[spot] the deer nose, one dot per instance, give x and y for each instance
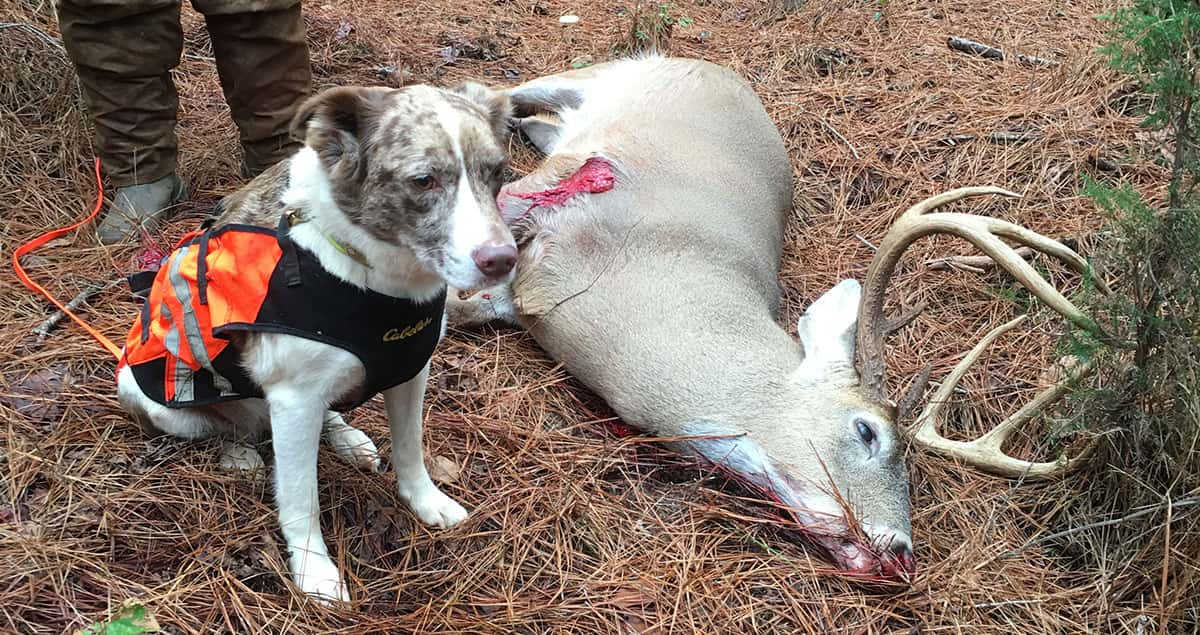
(902, 553)
(495, 259)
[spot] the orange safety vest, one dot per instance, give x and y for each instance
(244, 278)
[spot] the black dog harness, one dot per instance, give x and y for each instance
(249, 279)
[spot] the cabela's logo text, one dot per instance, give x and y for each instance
(395, 335)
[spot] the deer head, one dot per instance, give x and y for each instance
(862, 516)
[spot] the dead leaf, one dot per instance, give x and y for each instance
(637, 626)
(34, 261)
(634, 605)
(443, 470)
(1058, 371)
(36, 394)
(628, 599)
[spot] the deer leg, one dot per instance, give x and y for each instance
(489, 305)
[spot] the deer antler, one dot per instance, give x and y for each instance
(985, 233)
(985, 452)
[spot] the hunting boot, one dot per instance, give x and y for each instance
(262, 60)
(135, 209)
(123, 51)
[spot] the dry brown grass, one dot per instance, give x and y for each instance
(574, 528)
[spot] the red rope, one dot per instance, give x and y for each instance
(51, 235)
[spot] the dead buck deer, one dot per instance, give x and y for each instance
(650, 243)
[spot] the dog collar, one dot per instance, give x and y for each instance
(294, 217)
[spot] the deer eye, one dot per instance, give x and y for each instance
(867, 434)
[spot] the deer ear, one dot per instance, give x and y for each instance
(827, 328)
(543, 130)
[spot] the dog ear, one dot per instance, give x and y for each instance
(335, 123)
(495, 105)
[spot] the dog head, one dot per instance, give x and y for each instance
(419, 168)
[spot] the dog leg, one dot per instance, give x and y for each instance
(247, 422)
(185, 423)
(404, 404)
(296, 417)
(350, 443)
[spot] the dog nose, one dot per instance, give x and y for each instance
(495, 260)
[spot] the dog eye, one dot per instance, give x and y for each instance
(424, 182)
(866, 434)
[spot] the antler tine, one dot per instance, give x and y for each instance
(908, 228)
(986, 452)
(982, 231)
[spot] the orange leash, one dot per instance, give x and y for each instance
(51, 235)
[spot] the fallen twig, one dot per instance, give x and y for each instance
(994, 137)
(1012, 137)
(866, 242)
(33, 30)
(992, 605)
(993, 53)
(956, 139)
(43, 330)
(831, 129)
(974, 264)
(1146, 511)
(834, 131)
(1104, 164)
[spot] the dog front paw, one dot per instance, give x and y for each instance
(435, 508)
(319, 578)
